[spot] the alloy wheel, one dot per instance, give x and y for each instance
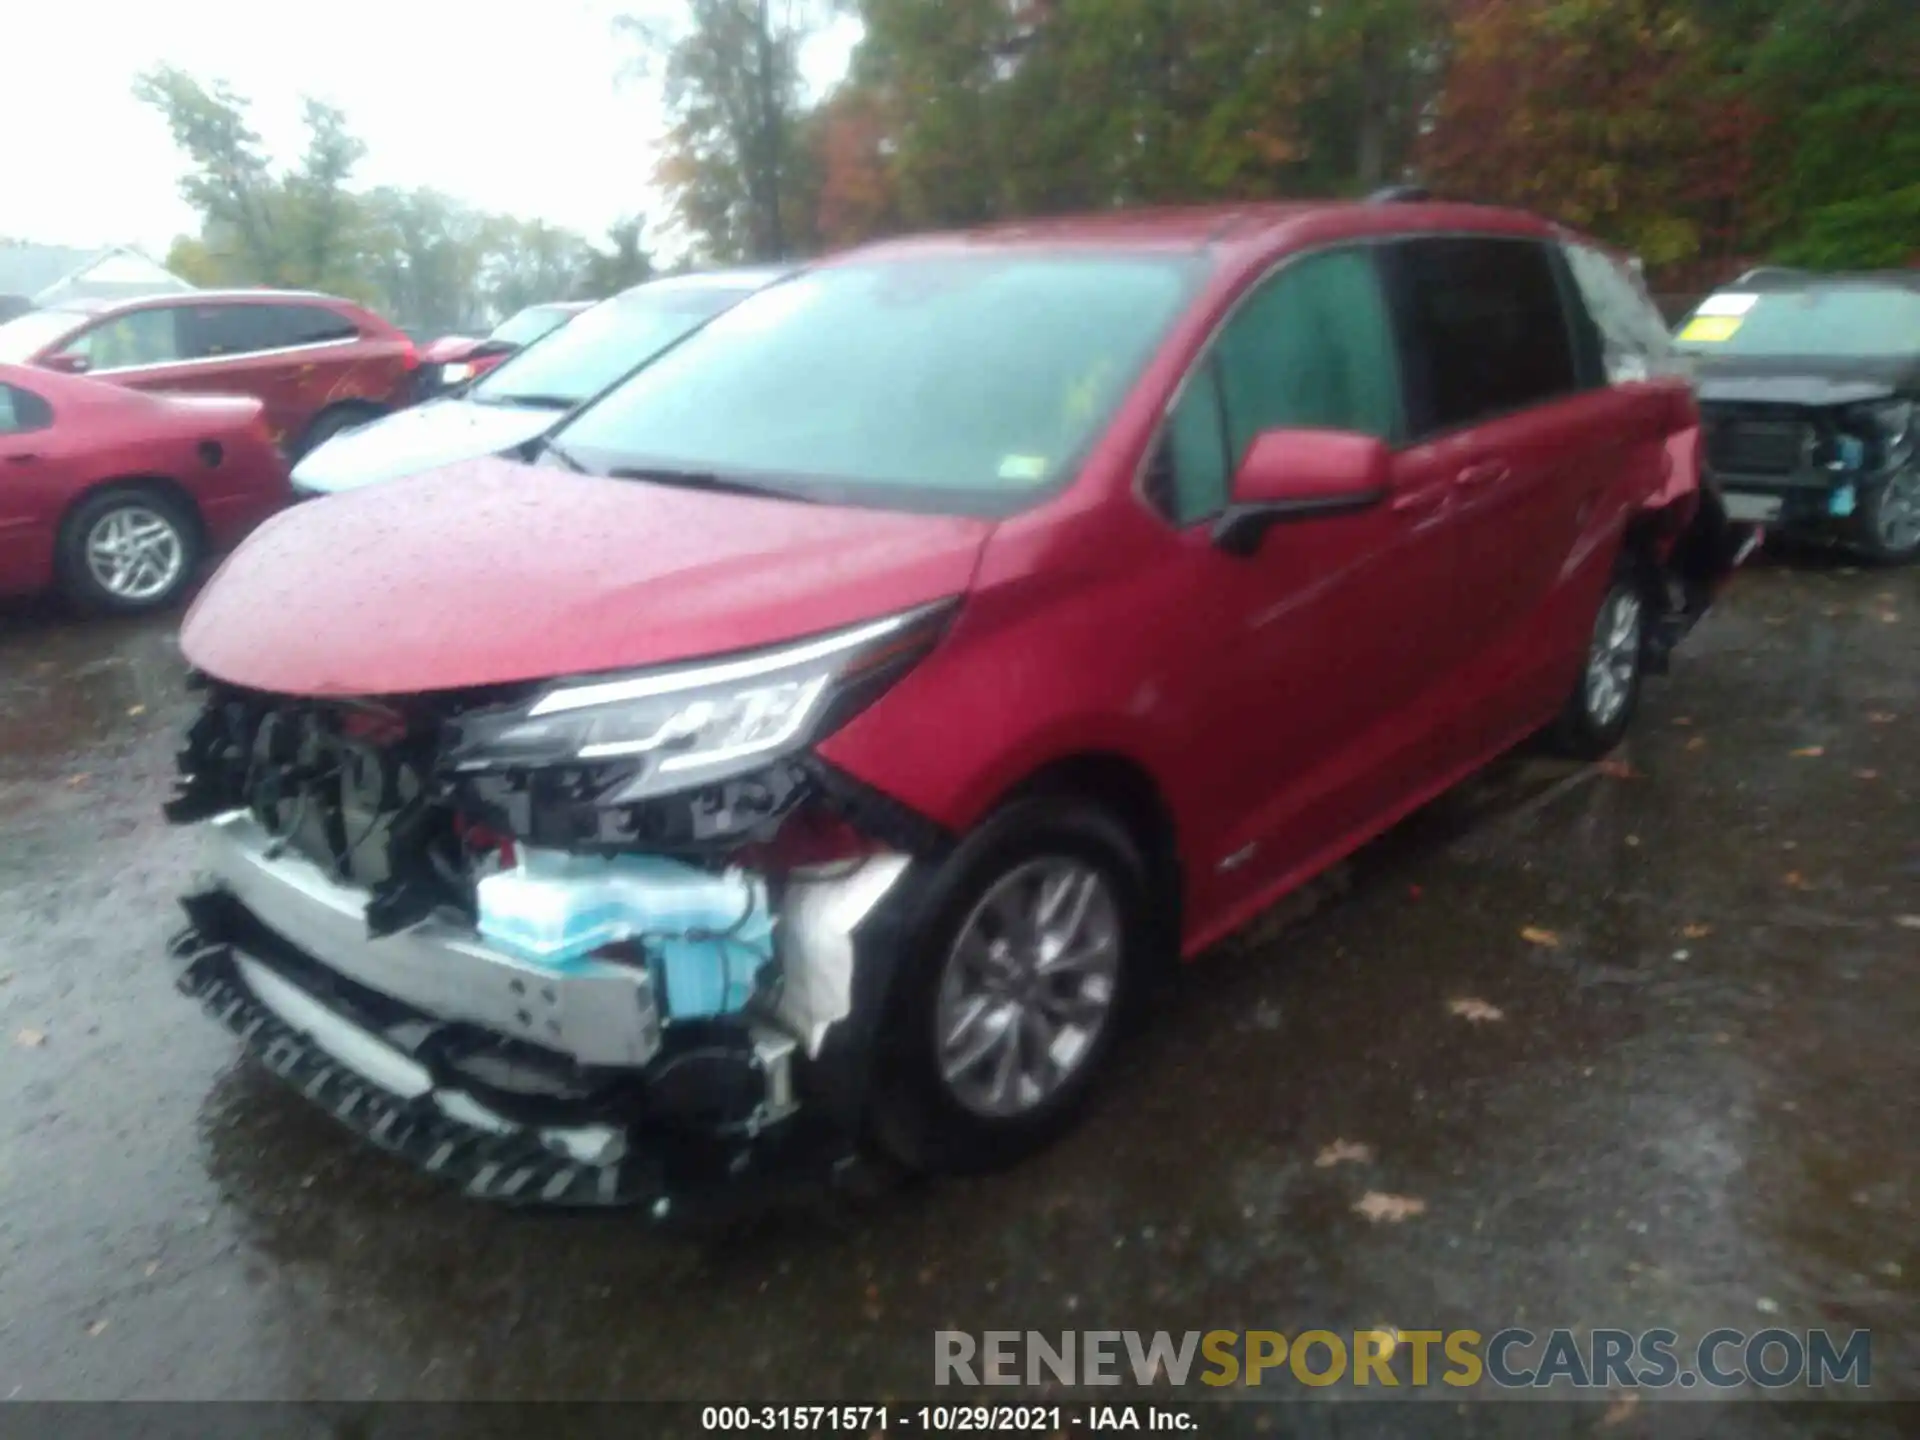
(1028, 985)
(135, 553)
(1898, 520)
(1613, 659)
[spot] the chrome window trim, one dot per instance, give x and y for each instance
(212, 359)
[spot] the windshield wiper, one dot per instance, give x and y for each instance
(530, 402)
(548, 446)
(702, 480)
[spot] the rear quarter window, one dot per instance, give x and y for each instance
(1482, 329)
(22, 410)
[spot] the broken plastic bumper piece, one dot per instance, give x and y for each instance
(505, 1058)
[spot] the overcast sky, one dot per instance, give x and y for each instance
(512, 107)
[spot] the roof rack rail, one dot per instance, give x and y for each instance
(1399, 195)
(1761, 271)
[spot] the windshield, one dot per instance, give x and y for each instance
(529, 325)
(955, 383)
(25, 336)
(598, 346)
(1826, 321)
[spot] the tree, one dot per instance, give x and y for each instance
(622, 263)
(1612, 115)
(734, 162)
(258, 227)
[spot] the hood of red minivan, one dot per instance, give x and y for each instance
(491, 572)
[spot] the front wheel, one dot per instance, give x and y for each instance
(1601, 707)
(1013, 989)
(1888, 526)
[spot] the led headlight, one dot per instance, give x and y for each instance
(457, 373)
(677, 727)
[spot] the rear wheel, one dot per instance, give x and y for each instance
(128, 550)
(1888, 525)
(1014, 989)
(1601, 707)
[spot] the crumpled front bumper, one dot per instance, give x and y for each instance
(392, 1101)
(382, 1034)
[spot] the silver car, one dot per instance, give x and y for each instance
(532, 392)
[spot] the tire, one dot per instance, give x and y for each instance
(929, 1113)
(128, 550)
(1607, 691)
(1887, 528)
(330, 423)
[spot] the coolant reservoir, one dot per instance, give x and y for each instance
(706, 935)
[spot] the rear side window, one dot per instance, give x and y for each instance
(220, 330)
(1309, 348)
(22, 410)
(1481, 328)
(1634, 343)
(138, 337)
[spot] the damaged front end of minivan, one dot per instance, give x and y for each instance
(611, 941)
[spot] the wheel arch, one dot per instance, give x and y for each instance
(353, 405)
(1126, 789)
(182, 497)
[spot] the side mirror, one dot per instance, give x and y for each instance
(1292, 475)
(68, 364)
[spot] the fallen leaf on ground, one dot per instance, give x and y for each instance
(1809, 752)
(1907, 922)
(136, 710)
(1887, 617)
(30, 1039)
(1378, 1206)
(1881, 717)
(153, 1268)
(1342, 1151)
(1866, 774)
(1618, 769)
(1794, 880)
(1620, 1410)
(1534, 935)
(1698, 742)
(79, 779)
(1413, 892)
(1696, 932)
(97, 1328)
(1683, 719)
(1469, 1008)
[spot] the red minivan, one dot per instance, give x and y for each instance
(318, 364)
(830, 734)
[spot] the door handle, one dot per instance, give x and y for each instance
(1421, 500)
(1478, 477)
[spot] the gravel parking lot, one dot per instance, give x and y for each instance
(1633, 1047)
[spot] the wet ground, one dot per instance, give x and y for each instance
(1642, 1046)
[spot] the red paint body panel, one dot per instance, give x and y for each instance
(101, 435)
(491, 572)
(1286, 706)
(295, 384)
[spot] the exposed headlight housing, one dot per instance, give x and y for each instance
(1888, 423)
(678, 727)
(458, 373)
